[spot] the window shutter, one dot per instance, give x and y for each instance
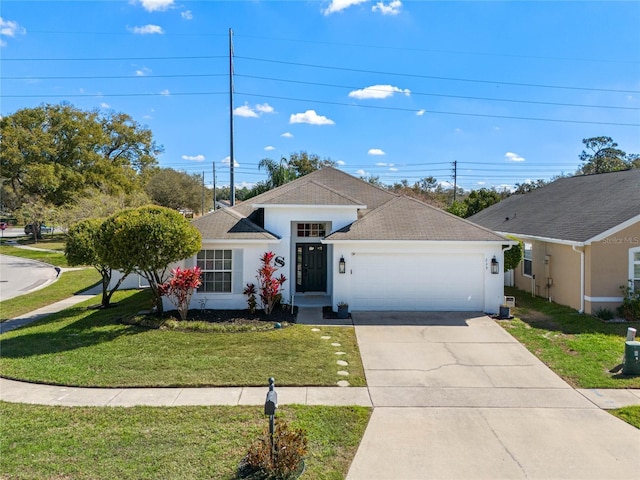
(238, 284)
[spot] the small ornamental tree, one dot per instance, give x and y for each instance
(180, 288)
(269, 286)
(513, 256)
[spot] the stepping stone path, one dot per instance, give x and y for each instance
(340, 363)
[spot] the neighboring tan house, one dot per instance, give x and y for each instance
(338, 239)
(581, 235)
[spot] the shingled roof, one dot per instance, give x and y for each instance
(405, 218)
(574, 209)
(225, 224)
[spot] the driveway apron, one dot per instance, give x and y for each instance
(456, 397)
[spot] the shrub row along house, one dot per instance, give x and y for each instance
(340, 239)
(581, 235)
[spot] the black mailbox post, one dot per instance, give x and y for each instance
(270, 407)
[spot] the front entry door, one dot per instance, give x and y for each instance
(311, 267)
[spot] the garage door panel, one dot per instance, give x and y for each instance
(418, 282)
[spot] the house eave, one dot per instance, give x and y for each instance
(612, 230)
(424, 242)
(302, 205)
(544, 239)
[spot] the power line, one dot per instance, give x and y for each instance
(442, 95)
(433, 77)
(101, 77)
(430, 50)
(91, 59)
(440, 112)
(89, 95)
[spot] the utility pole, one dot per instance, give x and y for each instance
(214, 187)
(455, 180)
(232, 188)
(202, 211)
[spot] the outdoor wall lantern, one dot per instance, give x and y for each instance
(495, 266)
(342, 266)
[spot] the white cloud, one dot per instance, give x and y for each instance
(187, 15)
(269, 148)
(310, 117)
(248, 112)
(421, 112)
(381, 164)
(391, 8)
(141, 72)
(156, 5)
(245, 111)
(393, 169)
(339, 5)
(362, 173)
(341, 162)
(148, 30)
(481, 183)
(194, 158)
(376, 151)
(227, 161)
(165, 92)
(458, 130)
(264, 108)
(287, 135)
(378, 91)
(10, 28)
(105, 105)
(513, 157)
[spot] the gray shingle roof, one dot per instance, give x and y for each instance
(573, 208)
(358, 190)
(405, 218)
(311, 193)
(225, 224)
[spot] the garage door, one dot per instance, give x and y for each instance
(427, 282)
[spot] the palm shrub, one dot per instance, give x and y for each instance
(283, 461)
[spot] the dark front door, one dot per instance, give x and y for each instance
(311, 267)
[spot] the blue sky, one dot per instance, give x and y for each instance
(395, 89)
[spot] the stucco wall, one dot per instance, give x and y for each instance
(607, 263)
(556, 262)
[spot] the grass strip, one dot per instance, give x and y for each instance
(92, 348)
(69, 284)
(630, 415)
(151, 442)
(55, 259)
(584, 350)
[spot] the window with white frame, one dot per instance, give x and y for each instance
(527, 262)
(216, 266)
(634, 268)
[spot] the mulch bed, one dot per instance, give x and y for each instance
(241, 316)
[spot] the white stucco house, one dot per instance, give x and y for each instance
(341, 239)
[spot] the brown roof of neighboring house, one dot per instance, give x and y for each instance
(405, 218)
(572, 209)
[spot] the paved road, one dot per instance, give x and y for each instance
(20, 275)
(456, 397)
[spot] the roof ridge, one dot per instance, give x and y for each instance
(337, 192)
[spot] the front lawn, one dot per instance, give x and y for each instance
(585, 351)
(86, 347)
(52, 258)
(149, 442)
(630, 415)
(69, 284)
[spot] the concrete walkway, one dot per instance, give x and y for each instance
(457, 397)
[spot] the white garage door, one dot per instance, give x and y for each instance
(422, 282)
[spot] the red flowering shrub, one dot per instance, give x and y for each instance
(269, 285)
(180, 288)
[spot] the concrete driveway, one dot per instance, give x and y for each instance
(456, 397)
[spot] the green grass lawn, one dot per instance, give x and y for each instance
(630, 415)
(86, 347)
(56, 259)
(150, 443)
(582, 349)
(69, 284)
